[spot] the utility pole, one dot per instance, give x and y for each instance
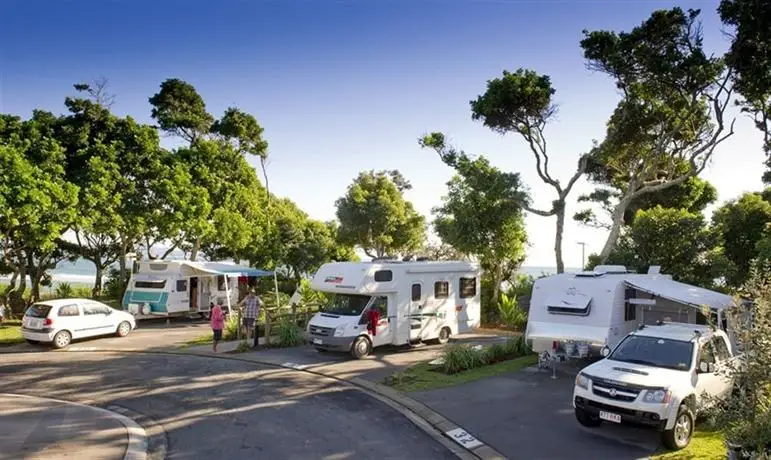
(583, 255)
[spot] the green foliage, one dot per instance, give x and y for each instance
(374, 215)
(511, 315)
(463, 357)
(289, 334)
(309, 297)
(64, 291)
(179, 109)
(232, 326)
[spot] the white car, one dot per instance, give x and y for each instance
(61, 321)
(657, 376)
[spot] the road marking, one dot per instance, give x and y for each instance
(80, 349)
(299, 367)
(462, 437)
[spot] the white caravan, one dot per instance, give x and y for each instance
(576, 314)
(162, 288)
(417, 301)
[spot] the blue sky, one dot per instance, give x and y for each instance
(344, 86)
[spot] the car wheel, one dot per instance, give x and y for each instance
(585, 419)
(321, 350)
(361, 347)
(680, 435)
(62, 339)
(123, 329)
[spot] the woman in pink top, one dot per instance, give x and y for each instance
(217, 323)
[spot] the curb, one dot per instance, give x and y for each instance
(461, 443)
(136, 449)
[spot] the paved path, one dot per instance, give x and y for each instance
(216, 408)
(38, 428)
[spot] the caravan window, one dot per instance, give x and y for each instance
(569, 303)
(158, 267)
(468, 287)
(146, 284)
(441, 290)
(181, 285)
(221, 282)
(383, 276)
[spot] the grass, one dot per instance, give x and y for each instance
(705, 445)
(10, 332)
(424, 376)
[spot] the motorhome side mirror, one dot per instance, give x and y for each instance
(605, 351)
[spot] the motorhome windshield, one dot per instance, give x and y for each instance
(346, 304)
(654, 351)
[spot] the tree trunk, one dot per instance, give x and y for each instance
(196, 248)
(122, 271)
(98, 281)
(16, 297)
(558, 236)
(497, 280)
(615, 227)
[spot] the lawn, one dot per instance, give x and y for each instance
(705, 445)
(424, 376)
(10, 332)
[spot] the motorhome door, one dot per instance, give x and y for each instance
(384, 331)
(417, 300)
(436, 310)
(193, 294)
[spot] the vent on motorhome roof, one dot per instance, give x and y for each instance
(611, 269)
(589, 274)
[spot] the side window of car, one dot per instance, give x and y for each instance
(721, 348)
(706, 354)
(90, 309)
(69, 310)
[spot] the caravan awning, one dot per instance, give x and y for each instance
(682, 293)
(220, 268)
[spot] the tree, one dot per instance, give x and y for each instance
(676, 239)
(482, 213)
(374, 215)
(670, 118)
(180, 110)
(741, 225)
(750, 59)
(522, 102)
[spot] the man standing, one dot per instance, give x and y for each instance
(250, 314)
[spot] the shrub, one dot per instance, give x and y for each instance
(289, 334)
(462, 357)
(511, 315)
(231, 328)
(64, 291)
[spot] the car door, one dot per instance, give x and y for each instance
(68, 317)
(708, 383)
(96, 319)
(724, 367)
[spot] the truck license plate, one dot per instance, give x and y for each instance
(317, 341)
(615, 418)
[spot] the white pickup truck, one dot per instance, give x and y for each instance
(656, 376)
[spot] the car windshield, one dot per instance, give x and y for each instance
(654, 351)
(38, 310)
(346, 304)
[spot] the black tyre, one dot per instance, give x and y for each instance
(680, 435)
(444, 336)
(361, 347)
(321, 350)
(32, 342)
(62, 339)
(123, 329)
(585, 419)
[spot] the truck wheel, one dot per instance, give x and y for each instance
(587, 420)
(680, 434)
(361, 347)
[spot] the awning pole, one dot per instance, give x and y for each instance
(227, 292)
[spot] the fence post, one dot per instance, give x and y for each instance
(267, 327)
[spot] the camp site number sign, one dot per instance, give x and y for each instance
(460, 436)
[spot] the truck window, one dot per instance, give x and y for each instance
(468, 287)
(706, 353)
(654, 351)
(384, 276)
(721, 348)
(441, 290)
(147, 284)
(417, 293)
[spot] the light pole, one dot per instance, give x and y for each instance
(583, 255)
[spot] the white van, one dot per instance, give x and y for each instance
(576, 314)
(417, 301)
(181, 288)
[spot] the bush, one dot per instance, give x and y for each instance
(511, 315)
(64, 291)
(111, 288)
(231, 327)
(462, 357)
(289, 334)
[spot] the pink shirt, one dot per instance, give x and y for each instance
(217, 318)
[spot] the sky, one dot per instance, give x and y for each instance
(346, 86)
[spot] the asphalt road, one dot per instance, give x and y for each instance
(212, 408)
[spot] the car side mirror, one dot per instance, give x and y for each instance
(605, 351)
(706, 368)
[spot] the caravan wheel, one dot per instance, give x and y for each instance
(361, 347)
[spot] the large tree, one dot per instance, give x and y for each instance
(374, 215)
(670, 117)
(750, 59)
(522, 102)
(481, 215)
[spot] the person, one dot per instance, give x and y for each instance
(2, 312)
(374, 318)
(251, 310)
(217, 323)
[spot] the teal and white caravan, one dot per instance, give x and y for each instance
(163, 288)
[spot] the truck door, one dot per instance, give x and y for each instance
(383, 334)
(709, 382)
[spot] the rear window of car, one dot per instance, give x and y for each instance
(38, 310)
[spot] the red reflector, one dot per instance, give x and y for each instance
(48, 322)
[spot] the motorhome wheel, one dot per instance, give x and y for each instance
(444, 335)
(361, 347)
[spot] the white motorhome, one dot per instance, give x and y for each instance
(162, 288)
(417, 301)
(576, 314)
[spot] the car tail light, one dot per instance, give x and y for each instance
(48, 322)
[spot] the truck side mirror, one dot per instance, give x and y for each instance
(706, 368)
(605, 351)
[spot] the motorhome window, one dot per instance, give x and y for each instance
(346, 304)
(441, 290)
(221, 282)
(145, 284)
(654, 351)
(181, 285)
(381, 304)
(158, 267)
(630, 311)
(384, 276)
(417, 293)
(468, 287)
